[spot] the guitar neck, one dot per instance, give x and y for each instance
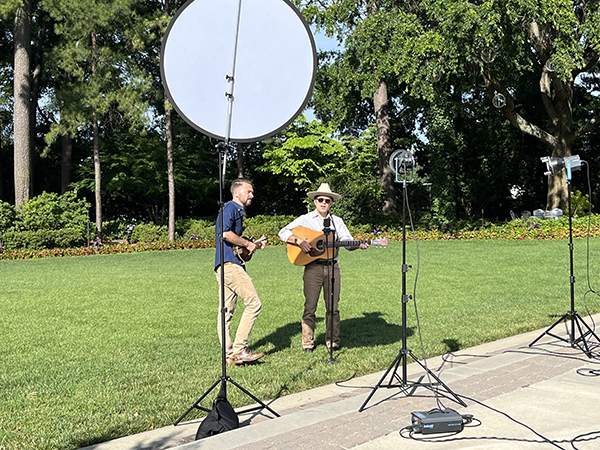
(347, 243)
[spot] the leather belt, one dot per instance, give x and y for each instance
(227, 263)
(322, 262)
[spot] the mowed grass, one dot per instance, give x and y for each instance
(93, 348)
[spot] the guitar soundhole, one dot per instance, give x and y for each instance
(320, 246)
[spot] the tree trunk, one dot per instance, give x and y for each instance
(384, 145)
(36, 80)
(1, 180)
(67, 147)
(557, 183)
(65, 163)
(557, 98)
(557, 192)
(22, 101)
(97, 177)
(170, 171)
(96, 129)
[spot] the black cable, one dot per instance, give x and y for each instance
(579, 438)
(445, 437)
(588, 372)
(544, 439)
(445, 357)
(590, 289)
(412, 227)
(552, 353)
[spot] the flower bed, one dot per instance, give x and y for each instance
(515, 230)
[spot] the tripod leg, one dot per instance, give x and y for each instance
(426, 369)
(265, 406)
(582, 335)
(395, 372)
(395, 364)
(547, 332)
(195, 405)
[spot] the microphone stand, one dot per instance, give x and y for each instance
(331, 279)
(404, 353)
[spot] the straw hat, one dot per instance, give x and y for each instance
(324, 189)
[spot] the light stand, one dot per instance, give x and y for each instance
(571, 163)
(224, 378)
(223, 148)
(331, 279)
(402, 162)
(274, 78)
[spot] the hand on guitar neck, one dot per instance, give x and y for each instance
(245, 253)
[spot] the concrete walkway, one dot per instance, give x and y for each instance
(520, 397)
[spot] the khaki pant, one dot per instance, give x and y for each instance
(317, 277)
(237, 284)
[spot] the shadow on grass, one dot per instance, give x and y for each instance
(370, 330)
(281, 338)
(367, 331)
(453, 345)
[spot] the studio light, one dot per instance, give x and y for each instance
(402, 163)
(555, 164)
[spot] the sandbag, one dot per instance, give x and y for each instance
(222, 417)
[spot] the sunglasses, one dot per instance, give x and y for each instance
(326, 200)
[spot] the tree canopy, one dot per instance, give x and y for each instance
(477, 90)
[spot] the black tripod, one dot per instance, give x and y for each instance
(331, 272)
(576, 320)
(404, 353)
(224, 378)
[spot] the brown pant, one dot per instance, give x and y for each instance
(237, 284)
(317, 277)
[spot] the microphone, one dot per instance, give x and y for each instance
(326, 225)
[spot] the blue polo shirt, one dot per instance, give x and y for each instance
(233, 220)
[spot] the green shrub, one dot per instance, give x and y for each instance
(42, 239)
(270, 225)
(49, 211)
(580, 204)
(148, 232)
(196, 229)
(46, 221)
(7, 216)
(117, 229)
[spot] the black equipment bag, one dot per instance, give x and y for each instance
(221, 418)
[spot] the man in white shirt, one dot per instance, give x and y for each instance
(317, 274)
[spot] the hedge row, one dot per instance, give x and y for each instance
(200, 234)
(46, 221)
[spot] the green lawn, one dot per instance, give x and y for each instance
(97, 347)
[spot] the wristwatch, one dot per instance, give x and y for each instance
(296, 240)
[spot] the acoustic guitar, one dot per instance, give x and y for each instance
(316, 239)
(242, 252)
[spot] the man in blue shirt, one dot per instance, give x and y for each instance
(237, 281)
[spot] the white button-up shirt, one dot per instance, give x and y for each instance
(314, 221)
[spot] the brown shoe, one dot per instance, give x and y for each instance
(246, 356)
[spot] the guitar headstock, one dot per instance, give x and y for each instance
(261, 242)
(381, 242)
